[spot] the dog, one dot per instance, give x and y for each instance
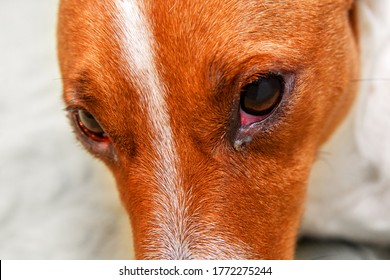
(210, 114)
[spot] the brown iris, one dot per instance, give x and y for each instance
(262, 96)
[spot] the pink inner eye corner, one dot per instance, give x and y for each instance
(247, 119)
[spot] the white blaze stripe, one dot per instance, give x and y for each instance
(174, 233)
(137, 50)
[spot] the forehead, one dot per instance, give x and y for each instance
(193, 28)
(187, 40)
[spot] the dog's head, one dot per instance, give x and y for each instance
(209, 113)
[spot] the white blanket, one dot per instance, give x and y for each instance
(349, 194)
(56, 202)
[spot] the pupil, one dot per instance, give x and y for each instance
(261, 97)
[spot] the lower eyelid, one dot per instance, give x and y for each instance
(247, 119)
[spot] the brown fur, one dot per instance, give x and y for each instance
(253, 197)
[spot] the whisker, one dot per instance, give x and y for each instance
(371, 80)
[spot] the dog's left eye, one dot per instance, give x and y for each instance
(259, 98)
(90, 126)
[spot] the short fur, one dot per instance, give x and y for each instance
(232, 203)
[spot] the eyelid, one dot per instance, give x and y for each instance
(77, 103)
(247, 119)
(72, 108)
(80, 98)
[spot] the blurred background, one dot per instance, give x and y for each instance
(57, 202)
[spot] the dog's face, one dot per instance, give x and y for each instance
(209, 113)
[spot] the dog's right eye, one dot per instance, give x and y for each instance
(90, 126)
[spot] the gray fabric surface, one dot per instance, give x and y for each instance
(319, 249)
